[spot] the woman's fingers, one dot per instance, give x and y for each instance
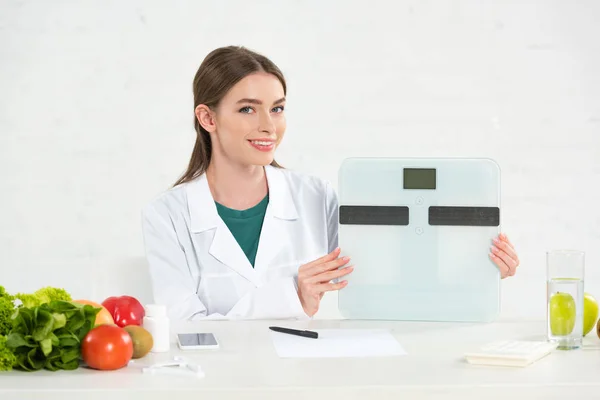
(313, 267)
(326, 258)
(505, 238)
(331, 265)
(327, 266)
(327, 276)
(504, 269)
(328, 287)
(506, 264)
(506, 252)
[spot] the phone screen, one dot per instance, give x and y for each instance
(197, 339)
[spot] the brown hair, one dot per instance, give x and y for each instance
(220, 71)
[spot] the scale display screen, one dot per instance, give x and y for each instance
(420, 178)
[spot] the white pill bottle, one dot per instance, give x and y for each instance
(157, 323)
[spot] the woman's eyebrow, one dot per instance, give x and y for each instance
(259, 102)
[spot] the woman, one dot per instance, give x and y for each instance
(238, 236)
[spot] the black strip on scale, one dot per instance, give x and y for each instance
(464, 216)
(374, 215)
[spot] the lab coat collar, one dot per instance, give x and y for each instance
(203, 211)
(281, 212)
(201, 205)
(280, 195)
(281, 209)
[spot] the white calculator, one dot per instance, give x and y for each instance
(512, 353)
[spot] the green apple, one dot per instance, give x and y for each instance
(590, 313)
(562, 314)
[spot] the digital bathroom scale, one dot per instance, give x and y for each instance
(418, 232)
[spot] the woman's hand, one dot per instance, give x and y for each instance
(314, 277)
(504, 256)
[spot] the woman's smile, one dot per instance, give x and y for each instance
(262, 144)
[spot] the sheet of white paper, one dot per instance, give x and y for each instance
(338, 343)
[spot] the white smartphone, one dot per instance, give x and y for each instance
(197, 341)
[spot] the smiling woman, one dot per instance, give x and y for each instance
(229, 88)
(238, 236)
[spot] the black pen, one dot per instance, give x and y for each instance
(308, 334)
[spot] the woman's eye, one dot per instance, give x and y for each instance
(248, 109)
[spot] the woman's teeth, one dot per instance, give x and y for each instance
(261, 143)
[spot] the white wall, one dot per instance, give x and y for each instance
(96, 117)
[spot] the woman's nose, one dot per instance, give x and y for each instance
(266, 123)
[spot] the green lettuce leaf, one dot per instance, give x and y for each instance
(49, 335)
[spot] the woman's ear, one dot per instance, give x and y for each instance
(205, 117)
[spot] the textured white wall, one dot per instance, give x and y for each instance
(96, 117)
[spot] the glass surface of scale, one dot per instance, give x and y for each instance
(419, 232)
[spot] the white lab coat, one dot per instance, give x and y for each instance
(199, 271)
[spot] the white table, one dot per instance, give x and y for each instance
(248, 367)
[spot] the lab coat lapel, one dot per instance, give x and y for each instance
(205, 217)
(281, 211)
(226, 249)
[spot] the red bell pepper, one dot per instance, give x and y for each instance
(125, 310)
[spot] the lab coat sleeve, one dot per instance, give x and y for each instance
(332, 212)
(172, 283)
(174, 286)
(277, 299)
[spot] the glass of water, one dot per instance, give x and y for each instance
(564, 297)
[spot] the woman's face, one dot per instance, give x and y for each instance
(249, 122)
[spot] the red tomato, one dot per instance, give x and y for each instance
(125, 310)
(107, 347)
